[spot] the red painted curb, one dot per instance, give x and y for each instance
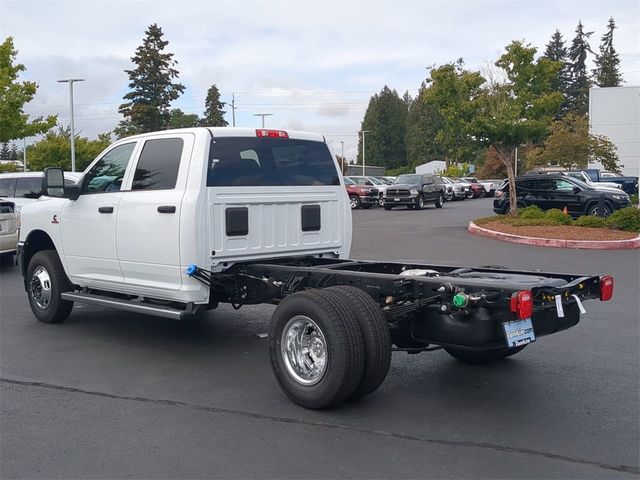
(556, 243)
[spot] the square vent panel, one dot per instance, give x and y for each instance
(237, 221)
(310, 218)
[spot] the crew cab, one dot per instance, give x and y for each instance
(173, 223)
(414, 191)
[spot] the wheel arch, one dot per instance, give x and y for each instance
(593, 203)
(36, 241)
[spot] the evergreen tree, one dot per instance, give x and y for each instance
(386, 120)
(5, 153)
(152, 87)
(14, 153)
(423, 124)
(557, 51)
(213, 113)
(607, 72)
(578, 92)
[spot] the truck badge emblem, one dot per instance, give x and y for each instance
(55, 219)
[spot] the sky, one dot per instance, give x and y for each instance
(312, 64)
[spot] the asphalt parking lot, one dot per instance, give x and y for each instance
(113, 395)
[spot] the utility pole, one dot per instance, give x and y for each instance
(73, 132)
(342, 156)
(233, 107)
(363, 132)
(262, 115)
(24, 153)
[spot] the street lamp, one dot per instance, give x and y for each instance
(363, 157)
(342, 156)
(262, 115)
(73, 132)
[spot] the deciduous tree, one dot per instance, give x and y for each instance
(570, 145)
(152, 86)
(520, 110)
(53, 150)
(14, 123)
(179, 119)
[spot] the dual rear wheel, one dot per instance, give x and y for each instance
(327, 346)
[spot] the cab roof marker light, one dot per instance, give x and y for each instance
(606, 288)
(266, 133)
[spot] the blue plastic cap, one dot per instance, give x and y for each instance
(191, 269)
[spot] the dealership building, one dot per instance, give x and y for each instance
(615, 113)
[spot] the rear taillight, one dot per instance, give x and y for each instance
(522, 304)
(262, 133)
(606, 288)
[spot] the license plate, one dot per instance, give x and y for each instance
(518, 332)
(396, 199)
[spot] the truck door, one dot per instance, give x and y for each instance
(88, 224)
(148, 223)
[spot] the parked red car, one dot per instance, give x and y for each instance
(360, 196)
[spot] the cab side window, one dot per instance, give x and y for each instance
(108, 173)
(158, 165)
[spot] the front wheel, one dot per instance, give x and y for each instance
(388, 207)
(595, 210)
(46, 281)
(484, 356)
(354, 201)
(420, 202)
(440, 201)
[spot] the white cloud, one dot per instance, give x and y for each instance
(289, 57)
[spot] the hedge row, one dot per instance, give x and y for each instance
(626, 219)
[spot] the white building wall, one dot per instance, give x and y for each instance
(615, 113)
(431, 167)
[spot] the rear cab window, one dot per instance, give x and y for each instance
(158, 165)
(246, 161)
(29, 187)
(7, 187)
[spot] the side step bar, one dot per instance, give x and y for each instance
(129, 306)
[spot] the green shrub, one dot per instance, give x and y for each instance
(483, 220)
(634, 199)
(530, 213)
(556, 215)
(591, 221)
(627, 219)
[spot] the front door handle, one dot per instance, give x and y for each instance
(167, 209)
(105, 209)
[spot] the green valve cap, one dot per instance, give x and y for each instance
(460, 300)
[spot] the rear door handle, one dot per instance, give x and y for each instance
(105, 209)
(167, 209)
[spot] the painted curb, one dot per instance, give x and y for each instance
(556, 243)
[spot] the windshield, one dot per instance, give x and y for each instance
(580, 183)
(376, 181)
(408, 179)
(253, 161)
(348, 181)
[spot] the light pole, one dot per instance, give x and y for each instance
(73, 132)
(342, 156)
(363, 157)
(262, 115)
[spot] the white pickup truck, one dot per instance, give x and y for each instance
(172, 223)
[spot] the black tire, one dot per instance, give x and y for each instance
(344, 346)
(388, 207)
(440, 201)
(411, 207)
(367, 206)
(355, 202)
(7, 260)
(482, 357)
(375, 334)
(595, 210)
(53, 310)
(419, 202)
